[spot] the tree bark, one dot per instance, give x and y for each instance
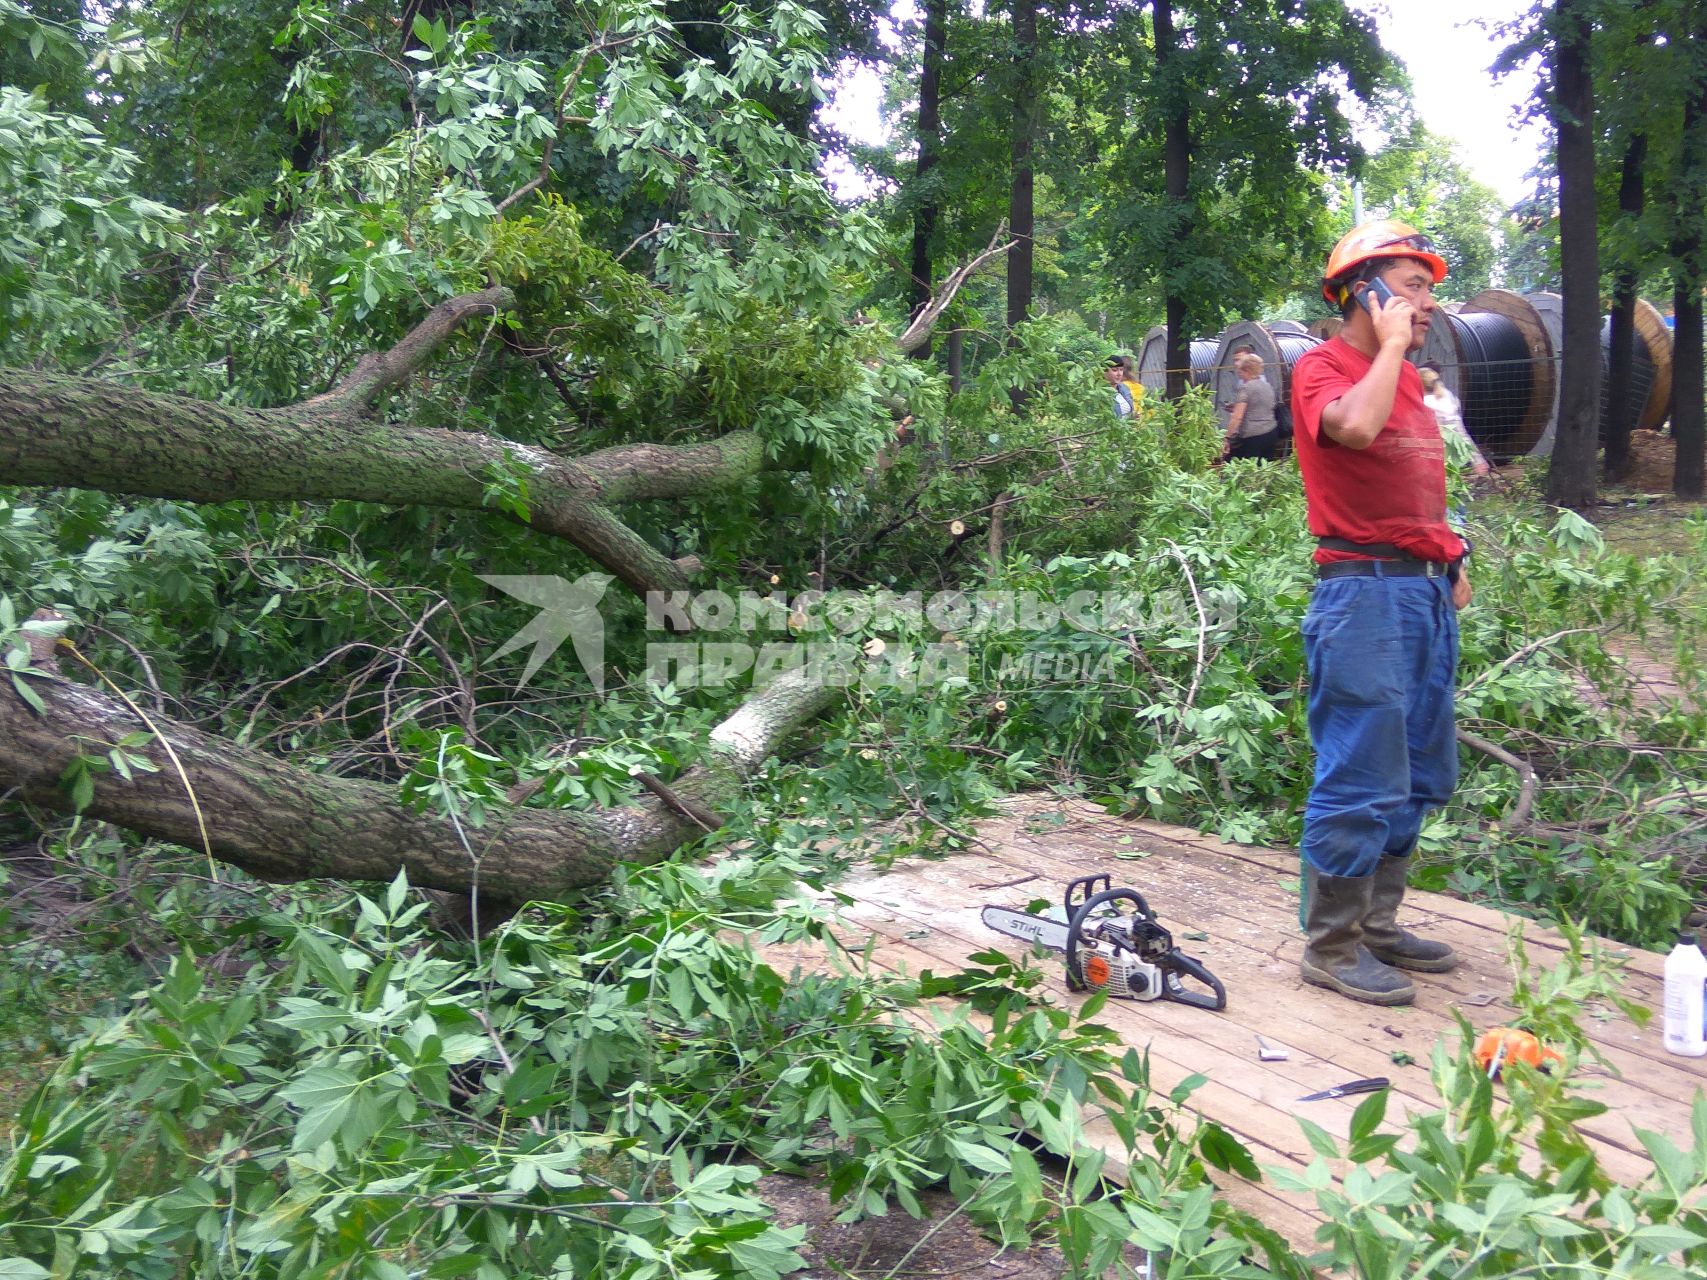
(1176, 188)
(93, 434)
(1622, 409)
(1688, 414)
(1021, 211)
(281, 822)
(1571, 474)
(926, 210)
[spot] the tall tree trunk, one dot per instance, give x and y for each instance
(926, 208)
(1622, 408)
(1021, 213)
(1687, 425)
(1571, 475)
(1176, 188)
(281, 822)
(1688, 415)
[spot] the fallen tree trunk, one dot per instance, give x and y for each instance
(88, 433)
(91, 434)
(281, 822)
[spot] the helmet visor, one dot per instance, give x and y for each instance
(1421, 243)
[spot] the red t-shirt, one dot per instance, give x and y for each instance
(1395, 490)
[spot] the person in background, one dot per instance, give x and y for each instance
(1129, 376)
(1439, 398)
(1381, 632)
(1114, 373)
(1128, 391)
(1252, 431)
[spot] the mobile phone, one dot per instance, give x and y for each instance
(1376, 294)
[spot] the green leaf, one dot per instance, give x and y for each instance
(21, 683)
(1662, 1238)
(1185, 1088)
(1369, 1114)
(1027, 1177)
(979, 1156)
(1675, 1168)
(1226, 1153)
(1320, 1140)
(325, 1096)
(22, 1269)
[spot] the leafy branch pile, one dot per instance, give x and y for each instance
(342, 1095)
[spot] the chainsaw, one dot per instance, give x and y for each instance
(1121, 949)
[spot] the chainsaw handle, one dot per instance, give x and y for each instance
(1178, 964)
(1075, 922)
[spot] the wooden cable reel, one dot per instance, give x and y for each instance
(1153, 361)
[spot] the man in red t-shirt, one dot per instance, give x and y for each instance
(1381, 633)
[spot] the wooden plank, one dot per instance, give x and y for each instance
(1653, 1080)
(1223, 1045)
(1285, 863)
(1198, 897)
(925, 914)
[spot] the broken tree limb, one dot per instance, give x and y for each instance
(281, 822)
(918, 332)
(92, 434)
(1519, 816)
(380, 372)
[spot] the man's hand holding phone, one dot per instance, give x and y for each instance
(1391, 314)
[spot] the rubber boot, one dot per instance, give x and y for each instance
(1303, 893)
(1381, 933)
(1334, 955)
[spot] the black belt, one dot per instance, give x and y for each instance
(1390, 561)
(1383, 569)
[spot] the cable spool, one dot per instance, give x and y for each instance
(1287, 326)
(1551, 308)
(1326, 327)
(1527, 388)
(1153, 360)
(1651, 328)
(1279, 352)
(1650, 371)
(1488, 355)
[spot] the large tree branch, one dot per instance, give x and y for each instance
(282, 822)
(919, 331)
(381, 372)
(92, 434)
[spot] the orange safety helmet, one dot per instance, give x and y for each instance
(1385, 238)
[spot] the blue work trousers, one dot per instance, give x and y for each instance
(1382, 653)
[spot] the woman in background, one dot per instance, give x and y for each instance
(1252, 430)
(1445, 405)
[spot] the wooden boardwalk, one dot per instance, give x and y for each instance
(924, 914)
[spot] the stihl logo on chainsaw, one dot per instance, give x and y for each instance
(1113, 942)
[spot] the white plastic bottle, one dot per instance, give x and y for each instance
(1685, 982)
